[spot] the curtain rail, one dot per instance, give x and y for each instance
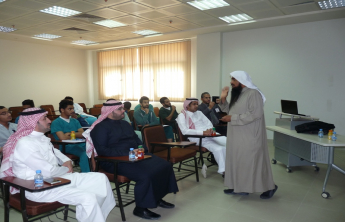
(144, 44)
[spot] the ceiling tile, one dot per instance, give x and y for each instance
(211, 22)
(285, 3)
(27, 32)
(256, 6)
(130, 19)
(15, 25)
(6, 9)
(300, 8)
(107, 13)
(28, 4)
(187, 26)
(265, 14)
(81, 6)
(93, 27)
(238, 2)
(108, 2)
(199, 16)
(224, 11)
(41, 17)
(131, 7)
(68, 22)
(26, 21)
(158, 3)
(152, 15)
(180, 9)
(165, 29)
(174, 21)
(4, 17)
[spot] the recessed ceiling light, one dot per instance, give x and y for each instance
(332, 4)
(6, 29)
(60, 11)
(2, 1)
(236, 18)
(109, 23)
(208, 4)
(84, 42)
(45, 36)
(147, 32)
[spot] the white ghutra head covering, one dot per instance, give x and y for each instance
(27, 123)
(245, 79)
(108, 107)
(189, 121)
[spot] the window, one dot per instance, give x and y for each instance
(153, 71)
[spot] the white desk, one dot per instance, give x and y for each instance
(309, 147)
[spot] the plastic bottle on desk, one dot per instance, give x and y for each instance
(320, 134)
(214, 131)
(330, 133)
(72, 135)
(38, 179)
(334, 136)
(131, 154)
(140, 152)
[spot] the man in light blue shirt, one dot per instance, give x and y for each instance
(6, 127)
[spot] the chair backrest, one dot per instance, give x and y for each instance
(153, 134)
(98, 106)
(156, 111)
(95, 111)
(131, 115)
(15, 111)
(49, 108)
(84, 107)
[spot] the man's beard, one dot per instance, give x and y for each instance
(235, 94)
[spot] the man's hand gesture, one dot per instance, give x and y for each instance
(69, 165)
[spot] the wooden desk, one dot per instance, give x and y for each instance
(24, 185)
(309, 148)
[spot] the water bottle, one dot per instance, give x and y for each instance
(131, 154)
(334, 136)
(320, 133)
(38, 179)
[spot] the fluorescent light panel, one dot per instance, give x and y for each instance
(110, 23)
(2, 1)
(146, 32)
(60, 11)
(208, 4)
(45, 36)
(332, 4)
(236, 18)
(6, 29)
(84, 42)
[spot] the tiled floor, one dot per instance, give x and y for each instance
(298, 199)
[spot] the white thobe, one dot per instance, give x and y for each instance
(90, 192)
(217, 145)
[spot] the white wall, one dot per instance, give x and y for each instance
(303, 62)
(43, 73)
(208, 64)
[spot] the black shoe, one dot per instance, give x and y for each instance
(231, 191)
(269, 194)
(165, 204)
(145, 213)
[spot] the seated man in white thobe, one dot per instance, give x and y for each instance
(194, 122)
(29, 150)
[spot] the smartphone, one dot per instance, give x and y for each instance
(52, 180)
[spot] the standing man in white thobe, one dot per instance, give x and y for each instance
(248, 167)
(29, 150)
(191, 121)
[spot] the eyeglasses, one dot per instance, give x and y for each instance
(5, 113)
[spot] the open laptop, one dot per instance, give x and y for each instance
(289, 106)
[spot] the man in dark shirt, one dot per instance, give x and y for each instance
(154, 177)
(167, 113)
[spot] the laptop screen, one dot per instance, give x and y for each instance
(289, 106)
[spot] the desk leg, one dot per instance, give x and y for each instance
(6, 198)
(201, 157)
(23, 205)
